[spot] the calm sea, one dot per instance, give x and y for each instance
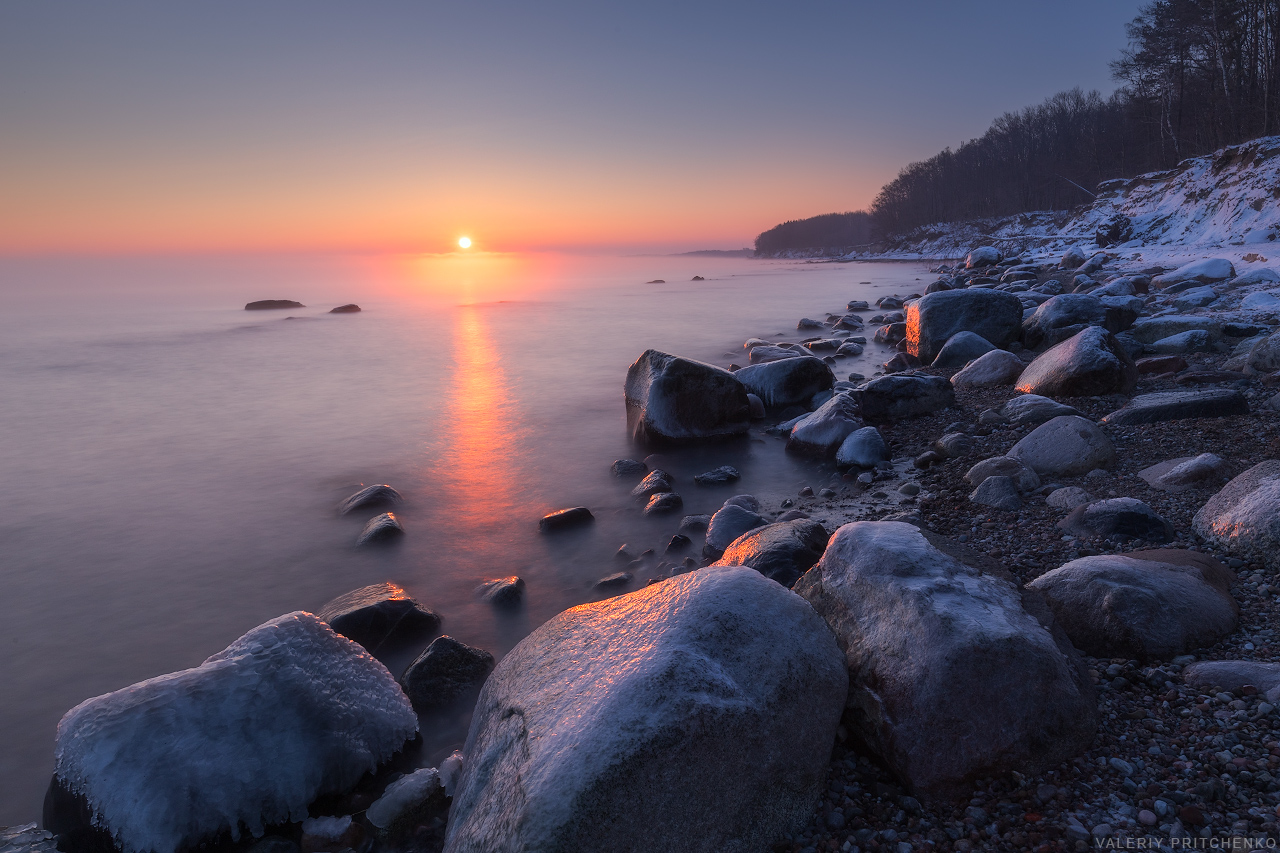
(170, 464)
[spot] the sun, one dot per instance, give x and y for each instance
(464, 242)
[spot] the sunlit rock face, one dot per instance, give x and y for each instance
(249, 738)
(932, 320)
(678, 400)
(1244, 518)
(951, 679)
(697, 714)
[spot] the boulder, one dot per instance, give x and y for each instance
(563, 519)
(272, 305)
(627, 468)
(1072, 258)
(788, 382)
(769, 353)
(757, 409)
(1089, 364)
(1211, 676)
(1023, 478)
(750, 502)
(1145, 605)
(1117, 517)
(997, 367)
(1244, 517)
(663, 503)
(892, 398)
(1062, 317)
(1177, 405)
(998, 492)
(349, 308)
(370, 497)
(729, 522)
(655, 482)
(851, 349)
(1264, 356)
(1262, 275)
(863, 448)
(1065, 447)
(1204, 271)
(672, 399)
(1068, 497)
(1186, 472)
(717, 476)
(822, 433)
(380, 615)
(962, 348)
(1161, 364)
(1034, 409)
(287, 713)
(444, 673)
(380, 529)
(1196, 340)
(1196, 297)
(951, 679)
(933, 319)
(503, 592)
(1261, 301)
(954, 445)
(983, 256)
(697, 714)
(781, 551)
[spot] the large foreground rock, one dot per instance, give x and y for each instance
(934, 318)
(1177, 405)
(1143, 605)
(1244, 518)
(697, 714)
(1064, 447)
(672, 399)
(1088, 364)
(249, 738)
(788, 382)
(781, 551)
(950, 678)
(892, 398)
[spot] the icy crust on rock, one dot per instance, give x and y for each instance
(247, 739)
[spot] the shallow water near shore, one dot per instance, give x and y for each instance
(170, 464)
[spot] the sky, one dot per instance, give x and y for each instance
(401, 125)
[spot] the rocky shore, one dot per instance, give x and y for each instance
(1031, 607)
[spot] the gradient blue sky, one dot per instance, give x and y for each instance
(386, 124)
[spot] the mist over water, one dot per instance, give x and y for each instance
(170, 464)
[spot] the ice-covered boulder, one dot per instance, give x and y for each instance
(1072, 258)
(1205, 271)
(997, 367)
(1244, 518)
(822, 432)
(951, 679)
(697, 714)
(892, 398)
(787, 382)
(962, 348)
(378, 615)
(1142, 605)
(1089, 364)
(1065, 447)
(781, 551)
(249, 738)
(673, 399)
(933, 319)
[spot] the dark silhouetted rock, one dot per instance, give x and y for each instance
(380, 529)
(655, 481)
(1127, 517)
(626, 468)
(369, 498)
(272, 304)
(781, 551)
(663, 503)
(566, 518)
(503, 592)
(1089, 364)
(380, 615)
(616, 580)
(349, 308)
(672, 399)
(717, 476)
(1065, 446)
(892, 398)
(444, 673)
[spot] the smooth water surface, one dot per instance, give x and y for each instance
(170, 464)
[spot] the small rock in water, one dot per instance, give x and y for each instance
(663, 502)
(717, 476)
(349, 308)
(272, 304)
(381, 528)
(565, 518)
(657, 481)
(444, 672)
(678, 543)
(629, 468)
(503, 592)
(379, 614)
(694, 523)
(371, 496)
(614, 580)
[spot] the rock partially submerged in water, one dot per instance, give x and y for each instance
(788, 381)
(717, 476)
(272, 304)
(380, 529)
(564, 519)
(349, 308)
(677, 400)
(503, 592)
(697, 714)
(782, 551)
(378, 615)
(951, 679)
(379, 495)
(250, 738)
(729, 522)
(821, 433)
(444, 673)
